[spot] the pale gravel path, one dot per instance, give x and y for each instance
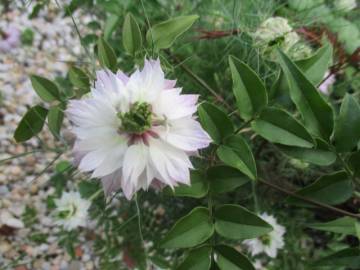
(55, 43)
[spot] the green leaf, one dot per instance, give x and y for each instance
(31, 124)
(321, 155)
(349, 257)
(224, 179)
(190, 230)
(198, 259)
(236, 222)
(163, 35)
(316, 65)
(347, 127)
(110, 24)
(344, 225)
(249, 90)
(79, 78)
(55, 120)
(197, 189)
(215, 122)
(314, 68)
(46, 89)
(106, 54)
(354, 162)
(316, 112)
(331, 189)
(278, 126)
(357, 229)
(131, 35)
(228, 258)
(237, 153)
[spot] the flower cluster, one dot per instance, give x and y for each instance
(71, 210)
(269, 243)
(136, 131)
(276, 31)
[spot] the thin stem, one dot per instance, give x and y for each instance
(243, 125)
(201, 82)
(19, 155)
(139, 226)
(317, 203)
(96, 193)
(256, 202)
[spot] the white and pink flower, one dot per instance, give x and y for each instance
(135, 131)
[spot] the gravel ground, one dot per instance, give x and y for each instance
(22, 182)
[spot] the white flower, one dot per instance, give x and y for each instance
(276, 31)
(345, 5)
(269, 243)
(71, 210)
(134, 130)
(325, 85)
(9, 38)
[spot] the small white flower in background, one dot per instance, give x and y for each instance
(136, 131)
(71, 210)
(276, 31)
(269, 243)
(325, 86)
(345, 5)
(9, 38)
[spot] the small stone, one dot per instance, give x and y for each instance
(21, 267)
(4, 247)
(78, 251)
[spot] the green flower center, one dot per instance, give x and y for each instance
(265, 239)
(137, 120)
(276, 41)
(65, 214)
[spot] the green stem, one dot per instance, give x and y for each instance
(256, 202)
(311, 201)
(139, 227)
(94, 196)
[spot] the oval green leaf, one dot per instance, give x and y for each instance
(79, 78)
(347, 127)
(46, 89)
(55, 120)
(106, 54)
(331, 189)
(198, 259)
(224, 179)
(190, 230)
(215, 122)
(31, 124)
(236, 222)
(198, 188)
(163, 35)
(132, 40)
(316, 112)
(349, 257)
(344, 225)
(278, 126)
(321, 155)
(249, 90)
(237, 153)
(228, 258)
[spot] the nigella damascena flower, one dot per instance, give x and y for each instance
(136, 131)
(269, 243)
(277, 32)
(71, 210)
(9, 38)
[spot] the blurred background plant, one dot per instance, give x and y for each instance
(59, 40)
